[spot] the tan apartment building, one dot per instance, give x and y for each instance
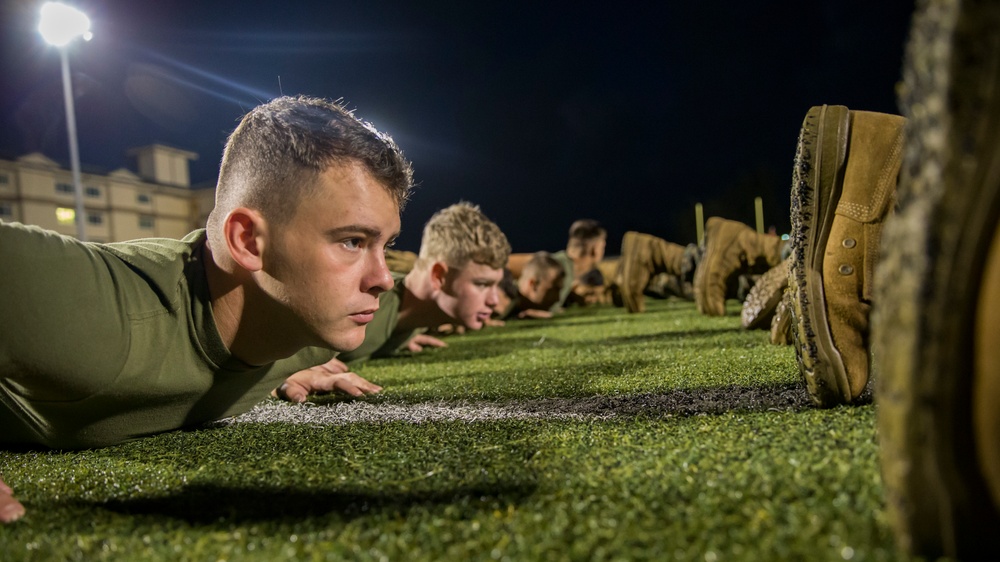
(158, 201)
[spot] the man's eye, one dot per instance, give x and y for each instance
(352, 243)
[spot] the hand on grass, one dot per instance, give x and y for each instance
(10, 509)
(420, 341)
(534, 313)
(332, 376)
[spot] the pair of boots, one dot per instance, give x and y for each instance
(918, 305)
(651, 263)
(733, 255)
(732, 251)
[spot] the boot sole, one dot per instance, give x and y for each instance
(781, 324)
(762, 301)
(817, 181)
(927, 286)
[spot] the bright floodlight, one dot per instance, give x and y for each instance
(60, 24)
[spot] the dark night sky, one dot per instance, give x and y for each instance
(541, 112)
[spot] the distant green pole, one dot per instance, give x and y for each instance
(758, 205)
(699, 222)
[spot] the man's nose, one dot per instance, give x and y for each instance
(378, 277)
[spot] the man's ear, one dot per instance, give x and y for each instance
(439, 272)
(533, 283)
(246, 234)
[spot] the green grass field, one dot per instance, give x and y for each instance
(594, 436)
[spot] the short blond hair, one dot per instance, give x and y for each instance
(461, 233)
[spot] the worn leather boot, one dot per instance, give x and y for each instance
(642, 257)
(843, 184)
(731, 249)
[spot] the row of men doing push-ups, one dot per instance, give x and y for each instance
(289, 281)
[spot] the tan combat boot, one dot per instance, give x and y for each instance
(843, 184)
(642, 257)
(731, 249)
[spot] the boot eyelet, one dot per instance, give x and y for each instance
(845, 269)
(849, 242)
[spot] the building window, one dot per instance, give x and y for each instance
(92, 191)
(63, 187)
(146, 222)
(143, 198)
(4, 179)
(95, 218)
(65, 215)
(6, 211)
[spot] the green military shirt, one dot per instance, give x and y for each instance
(102, 343)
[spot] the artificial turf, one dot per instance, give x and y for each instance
(604, 436)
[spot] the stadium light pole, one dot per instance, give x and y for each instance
(60, 25)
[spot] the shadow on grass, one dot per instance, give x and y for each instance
(205, 504)
(681, 402)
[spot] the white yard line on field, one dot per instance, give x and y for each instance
(341, 413)
(680, 402)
